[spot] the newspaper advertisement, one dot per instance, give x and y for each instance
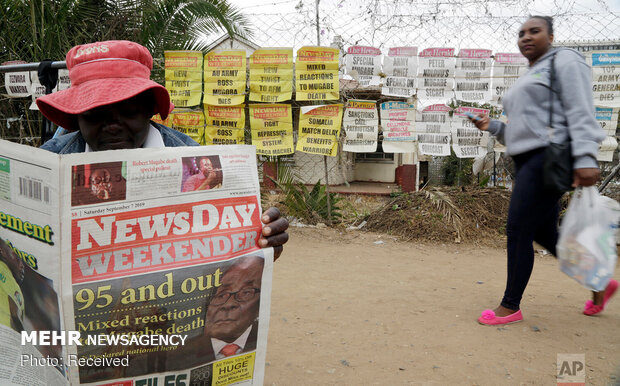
(361, 126)
(225, 78)
(473, 75)
(191, 123)
(507, 68)
(319, 129)
(316, 74)
(272, 128)
(183, 72)
(434, 130)
(436, 74)
(156, 278)
(401, 67)
(467, 140)
(605, 77)
(398, 125)
(225, 125)
(364, 64)
(271, 75)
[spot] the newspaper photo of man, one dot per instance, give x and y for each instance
(231, 320)
(201, 173)
(98, 183)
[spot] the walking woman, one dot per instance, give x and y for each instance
(533, 212)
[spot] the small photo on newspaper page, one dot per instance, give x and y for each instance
(201, 173)
(98, 183)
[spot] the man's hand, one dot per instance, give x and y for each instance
(274, 232)
(585, 177)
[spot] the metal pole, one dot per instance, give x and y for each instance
(329, 201)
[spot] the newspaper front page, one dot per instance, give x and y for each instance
(154, 264)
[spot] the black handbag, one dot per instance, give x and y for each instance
(558, 161)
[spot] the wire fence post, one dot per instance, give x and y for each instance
(329, 202)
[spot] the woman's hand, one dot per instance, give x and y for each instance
(585, 176)
(481, 121)
(274, 232)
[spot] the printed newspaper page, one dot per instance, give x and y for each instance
(141, 269)
(30, 276)
(164, 279)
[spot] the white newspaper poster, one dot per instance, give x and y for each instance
(361, 126)
(436, 74)
(400, 66)
(605, 78)
(435, 119)
(434, 130)
(467, 140)
(473, 75)
(17, 84)
(607, 117)
(365, 62)
(507, 68)
(398, 125)
(607, 149)
(63, 79)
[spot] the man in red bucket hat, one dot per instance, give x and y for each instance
(109, 106)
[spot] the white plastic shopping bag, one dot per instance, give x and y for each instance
(587, 244)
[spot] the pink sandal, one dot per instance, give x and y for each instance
(593, 309)
(488, 318)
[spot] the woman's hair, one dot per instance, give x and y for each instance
(548, 20)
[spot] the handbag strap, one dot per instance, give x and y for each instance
(551, 92)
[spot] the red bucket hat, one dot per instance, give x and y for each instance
(103, 73)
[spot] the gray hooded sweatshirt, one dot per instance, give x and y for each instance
(526, 105)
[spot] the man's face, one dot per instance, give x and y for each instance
(100, 184)
(205, 166)
(121, 125)
(229, 320)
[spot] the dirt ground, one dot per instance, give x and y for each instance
(357, 308)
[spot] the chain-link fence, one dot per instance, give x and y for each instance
(383, 24)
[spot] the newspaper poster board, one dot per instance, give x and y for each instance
(400, 67)
(225, 78)
(224, 124)
(271, 75)
(361, 126)
(473, 75)
(17, 84)
(605, 77)
(319, 129)
(364, 63)
(191, 123)
(467, 140)
(316, 74)
(183, 73)
(398, 127)
(434, 130)
(272, 128)
(149, 256)
(436, 74)
(507, 68)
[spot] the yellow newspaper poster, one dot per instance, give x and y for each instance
(233, 370)
(191, 123)
(271, 75)
(184, 77)
(272, 129)
(224, 136)
(319, 129)
(225, 125)
(225, 78)
(316, 72)
(225, 116)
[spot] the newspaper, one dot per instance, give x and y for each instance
(133, 267)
